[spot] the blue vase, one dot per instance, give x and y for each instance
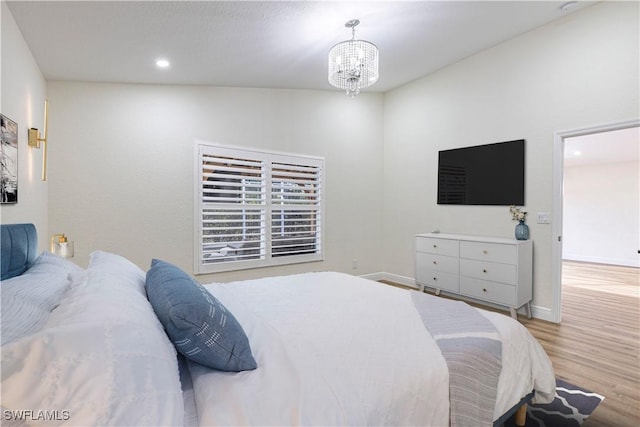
(522, 231)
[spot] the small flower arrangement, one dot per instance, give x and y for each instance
(517, 214)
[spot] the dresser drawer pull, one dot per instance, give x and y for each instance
(484, 289)
(435, 278)
(434, 263)
(484, 270)
(485, 252)
(435, 246)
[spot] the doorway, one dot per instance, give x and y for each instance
(589, 141)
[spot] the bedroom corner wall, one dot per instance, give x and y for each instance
(22, 95)
(121, 174)
(576, 72)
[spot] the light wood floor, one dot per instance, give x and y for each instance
(597, 344)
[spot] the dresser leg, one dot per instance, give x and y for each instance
(528, 308)
(514, 313)
(437, 292)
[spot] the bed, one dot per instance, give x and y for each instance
(98, 346)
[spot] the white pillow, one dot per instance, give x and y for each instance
(51, 263)
(128, 273)
(27, 300)
(103, 356)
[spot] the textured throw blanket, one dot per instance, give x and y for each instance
(472, 349)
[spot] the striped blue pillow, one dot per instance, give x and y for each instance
(199, 326)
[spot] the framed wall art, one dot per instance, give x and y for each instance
(9, 160)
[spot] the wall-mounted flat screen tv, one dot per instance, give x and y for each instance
(491, 174)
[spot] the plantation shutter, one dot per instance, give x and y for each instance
(256, 208)
(295, 209)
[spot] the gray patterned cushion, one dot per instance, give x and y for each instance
(200, 327)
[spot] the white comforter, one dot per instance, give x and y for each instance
(334, 349)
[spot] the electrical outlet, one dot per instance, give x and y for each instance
(543, 218)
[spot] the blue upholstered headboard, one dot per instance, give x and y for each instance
(19, 248)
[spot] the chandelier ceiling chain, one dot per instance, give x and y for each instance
(352, 24)
(353, 64)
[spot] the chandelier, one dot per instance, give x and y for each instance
(353, 64)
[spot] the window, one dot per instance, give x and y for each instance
(256, 208)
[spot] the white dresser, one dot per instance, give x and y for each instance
(490, 269)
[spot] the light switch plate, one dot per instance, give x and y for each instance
(543, 218)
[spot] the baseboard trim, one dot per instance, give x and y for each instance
(401, 280)
(374, 276)
(542, 313)
(601, 260)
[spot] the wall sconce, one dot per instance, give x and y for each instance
(61, 246)
(35, 139)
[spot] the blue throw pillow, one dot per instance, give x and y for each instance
(199, 326)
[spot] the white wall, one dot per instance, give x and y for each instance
(601, 213)
(121, 155)
(122, 161)
(22, 96)
(577, 72)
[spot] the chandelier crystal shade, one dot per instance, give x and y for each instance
(353, 64)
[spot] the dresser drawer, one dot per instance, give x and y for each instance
(495, 252)
(488, 291)
(438, 246)
(438, 280)
(445, 264)
(503, 273)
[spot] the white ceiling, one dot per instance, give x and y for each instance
(278, 44)
(281, 44)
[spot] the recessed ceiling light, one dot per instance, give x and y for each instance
(162, 63)
(568, 5)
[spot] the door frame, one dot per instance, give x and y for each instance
(556, 228)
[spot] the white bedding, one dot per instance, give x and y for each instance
(334, 349)
(101, 357)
